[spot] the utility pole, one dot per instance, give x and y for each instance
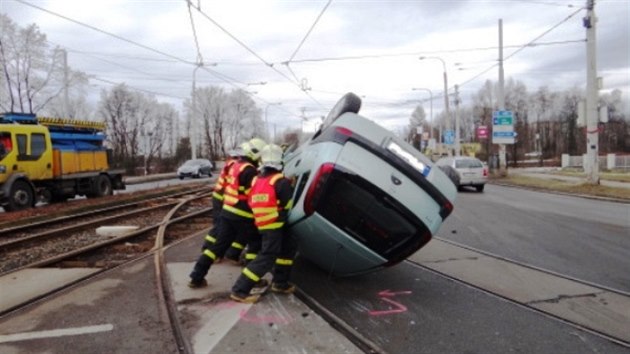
(66, 101)
(501, 101)
(457, 138)
(592, 137)
(193, 115)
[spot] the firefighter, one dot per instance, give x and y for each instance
(270, 200)
(237, 220)
(217, 197)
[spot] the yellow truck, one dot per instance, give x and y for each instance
(53, 159)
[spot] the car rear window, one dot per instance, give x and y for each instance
(371, 216)
(468, 164)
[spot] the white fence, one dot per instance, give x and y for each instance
(608, 162)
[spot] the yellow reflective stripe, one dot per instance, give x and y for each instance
(289, 205)
(264, 210)
(210, 239)
(250, 256)
(272, 226)
(238, 212)
(267, 217)
(284, 262)
(273, 179)
(210, 254)
(231, 190)
(217, 195)
(229, 199)
(247, 191)
(237, 245)
(245, 165)
(241, 188)
(248, 273)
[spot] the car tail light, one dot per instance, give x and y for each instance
(485, 172)
(317, 186)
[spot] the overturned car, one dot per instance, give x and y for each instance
(364, 198)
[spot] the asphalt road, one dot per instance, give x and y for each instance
(411, 309)
(584, 238)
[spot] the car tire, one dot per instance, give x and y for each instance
(479, 188)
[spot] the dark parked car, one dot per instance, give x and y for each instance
(195, 168)
(364, 198)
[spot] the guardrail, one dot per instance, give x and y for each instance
(608, 162)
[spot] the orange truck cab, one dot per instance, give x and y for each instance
(53, 159)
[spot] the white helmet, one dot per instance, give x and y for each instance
(271, 156)
(255, 147)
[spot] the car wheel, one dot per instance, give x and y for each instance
(181, 177)
(480, 188)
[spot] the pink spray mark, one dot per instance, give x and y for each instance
(385, 295)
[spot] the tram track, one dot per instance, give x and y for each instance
(591, 307)
(59, 243)
(184, 219)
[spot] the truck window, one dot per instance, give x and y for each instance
(5, 144)
(21, 143)
(38, 145)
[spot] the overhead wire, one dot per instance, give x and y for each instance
(251, 51)
(136, 88)
(194, 31)
(529, 44)
(223, 77)
(309, 31)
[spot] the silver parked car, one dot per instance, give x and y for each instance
(364, 198)
(195, 168)
(470, 171)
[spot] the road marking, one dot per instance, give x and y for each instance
(16, 337)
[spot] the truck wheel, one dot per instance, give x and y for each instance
(102, 186)
(21, 196)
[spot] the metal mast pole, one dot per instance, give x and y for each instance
(592, 137)
(457, 144)
(193, 114)
(501, 100)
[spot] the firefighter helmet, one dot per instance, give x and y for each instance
(271, 156)
(253, 147)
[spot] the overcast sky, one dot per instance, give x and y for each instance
(371, 48)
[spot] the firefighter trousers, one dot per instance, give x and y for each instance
(230, 229)
(277, 252)
(211, 237)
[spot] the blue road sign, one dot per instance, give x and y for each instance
(449, 137)
(504, 134)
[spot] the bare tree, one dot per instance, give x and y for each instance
(32, 72)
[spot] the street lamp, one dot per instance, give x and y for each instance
(448, 116)
(193, 140)
(431, 110)
(266, 108)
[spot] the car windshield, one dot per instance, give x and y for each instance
(468, 163)
(193, 163)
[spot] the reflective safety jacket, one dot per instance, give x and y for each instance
(219, 187)
(265, 204)
(235, 195)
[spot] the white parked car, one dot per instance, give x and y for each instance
(470, 171)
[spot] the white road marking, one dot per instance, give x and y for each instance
(16, 337)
